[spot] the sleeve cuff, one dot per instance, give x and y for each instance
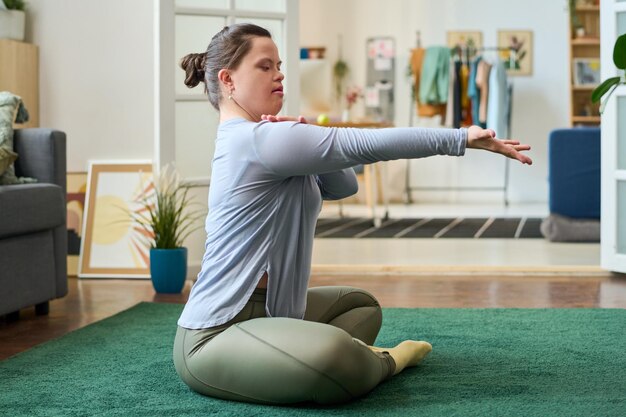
(462, 141)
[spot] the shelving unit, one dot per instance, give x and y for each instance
(582, 111)
(19, 74)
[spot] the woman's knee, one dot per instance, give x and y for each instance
(326, 303)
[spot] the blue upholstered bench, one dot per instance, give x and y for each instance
(574, 182)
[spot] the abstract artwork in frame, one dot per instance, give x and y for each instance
(586, 72)
(113, 245)
(516, 51)
(465, 43)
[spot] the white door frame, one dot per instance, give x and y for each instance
(610, 174)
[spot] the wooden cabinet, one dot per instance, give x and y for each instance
(19, 74)
(584, 41)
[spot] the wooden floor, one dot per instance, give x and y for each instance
(92, 300)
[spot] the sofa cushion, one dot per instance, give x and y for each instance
(28, 208)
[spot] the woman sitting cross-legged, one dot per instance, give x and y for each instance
(251, 329)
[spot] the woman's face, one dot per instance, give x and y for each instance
(257, 81)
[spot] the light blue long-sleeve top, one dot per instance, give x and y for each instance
(267, 185)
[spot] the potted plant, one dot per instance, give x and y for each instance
(340, 72)
(12, 18)
(166, 218)
(577, 27)
(609, 85)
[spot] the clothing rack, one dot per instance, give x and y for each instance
(504, 188)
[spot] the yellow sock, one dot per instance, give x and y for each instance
(407, 353)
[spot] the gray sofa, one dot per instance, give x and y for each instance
(33, 233)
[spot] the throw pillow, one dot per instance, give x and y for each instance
(11, 109)
(7, 157)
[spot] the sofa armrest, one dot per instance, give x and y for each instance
(41, 155)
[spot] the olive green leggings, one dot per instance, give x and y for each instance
(323, 358)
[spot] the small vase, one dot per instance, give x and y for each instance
(345, 115)
(580, 32)
(168, 269)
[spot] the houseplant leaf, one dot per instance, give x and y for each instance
(619, 52)
(603, 88)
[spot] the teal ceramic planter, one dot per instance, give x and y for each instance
(168, 269)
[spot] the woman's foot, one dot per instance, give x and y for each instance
(407, 353)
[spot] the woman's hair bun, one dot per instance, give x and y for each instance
(193, 64)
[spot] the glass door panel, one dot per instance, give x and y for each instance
(193, 34)
(196, 126)
(276, 6)
(621, 217)
(621, 132)
(203, 4)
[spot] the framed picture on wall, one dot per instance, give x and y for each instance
(586, 71)
(516, 51)
(465, 41)
(113, 245)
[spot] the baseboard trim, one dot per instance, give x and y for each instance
(517, 270)
(586, 270)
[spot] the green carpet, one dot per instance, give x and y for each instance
(560, 362)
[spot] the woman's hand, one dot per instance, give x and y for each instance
(272, 118)
(479, 138)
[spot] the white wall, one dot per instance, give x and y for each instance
(96, 76)
(541, 101)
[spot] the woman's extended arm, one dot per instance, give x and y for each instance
(478, 138)
(291, 149)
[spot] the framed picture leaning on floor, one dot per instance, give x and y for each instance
(112, 244)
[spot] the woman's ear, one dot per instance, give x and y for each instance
(224, 76)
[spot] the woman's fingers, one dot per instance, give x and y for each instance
(274, 118)
(480, 138)
(513, 152)
(523, 158)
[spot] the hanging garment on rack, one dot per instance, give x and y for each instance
(498, 104)
(423, 109)
(434, 76)
(466, 104)
(457, 109)
(473, 92)
(483, 72)
(449, 120)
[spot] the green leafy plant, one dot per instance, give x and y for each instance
(573, 16)
(15, 4)
(609, 85)
(340, 71)
(166, 215)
